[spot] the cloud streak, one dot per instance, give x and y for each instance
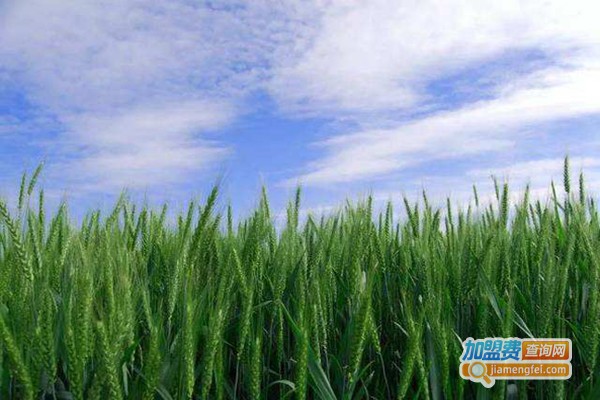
(135, 86)
(376, 64)
(138, 147)
(485, 126)
(380, 55)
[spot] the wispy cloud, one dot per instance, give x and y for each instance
(380, 55)
(138, 147)
(486, 126)
(134, 85)
(377, 63)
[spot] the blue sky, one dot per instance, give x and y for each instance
(343, 97)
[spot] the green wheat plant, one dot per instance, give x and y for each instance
(356, 304)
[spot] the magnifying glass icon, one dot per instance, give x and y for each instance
(478, 370)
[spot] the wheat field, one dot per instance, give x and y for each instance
(352, 305)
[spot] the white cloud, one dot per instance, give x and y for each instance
(485, 126)
(143, 124)
(367, 60)
(135, 84)
(138, 147)
(99, 55)
(369, 56)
